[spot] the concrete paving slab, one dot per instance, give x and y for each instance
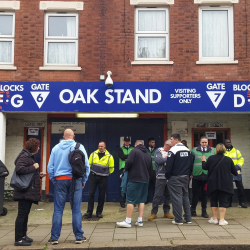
(106, 225)
(147, 233)
(124, 236)
(241, 236)
(103, 234)
(99, 230)
(218, 234)
(149, 238)
(235, 227)
(124, 230)
(192, 232)
(242, 231)
(101, 239)
(198, 237)
(171, 235)
(145, 228)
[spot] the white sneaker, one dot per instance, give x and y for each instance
(188, 222)
(212, 221)
(139, 224)
(223, 223)
(123, 224)
(176, 223)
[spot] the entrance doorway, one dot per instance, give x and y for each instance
(110, 131)
(221, 135)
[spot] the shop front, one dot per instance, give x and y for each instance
(138, 109)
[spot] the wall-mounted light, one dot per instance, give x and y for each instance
(109, 81)
(107, 115)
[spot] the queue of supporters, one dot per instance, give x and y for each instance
(169, 168)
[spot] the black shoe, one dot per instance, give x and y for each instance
(28, 239)
(242, 205)
(204, 214)
(53, 242)
(79, 241)
(87, 215)
(230, 205)
(122, 205)
(22, 243)
(193, 212)
(99, 215)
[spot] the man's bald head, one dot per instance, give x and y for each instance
(138, 143)
(68, 134)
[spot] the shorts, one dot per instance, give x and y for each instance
(221, 197)
(137, 192)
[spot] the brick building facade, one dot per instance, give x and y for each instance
(106, 39)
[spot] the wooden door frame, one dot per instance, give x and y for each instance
(41, 148)
(210, 142)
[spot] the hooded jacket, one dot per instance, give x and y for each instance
(59, 163)
(139, 164)
(24, 165)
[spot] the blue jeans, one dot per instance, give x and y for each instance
(62, 189)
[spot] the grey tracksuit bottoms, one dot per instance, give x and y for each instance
(161, 188)
(178, 189)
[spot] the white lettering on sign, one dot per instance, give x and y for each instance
(183, 154)
(16, 103)
(239, 101)
(242, 87)
(39, 97)
(216, 86)
(11, 87)
(185, 95)
(33, 124)
(42, 86)
(79, 97)
(150, 96)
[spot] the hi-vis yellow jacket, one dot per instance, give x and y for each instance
(238, 160)
(103, 166)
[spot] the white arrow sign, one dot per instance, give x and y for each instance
(39, 97)
(216, 97)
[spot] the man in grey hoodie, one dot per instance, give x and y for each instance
(161, 186)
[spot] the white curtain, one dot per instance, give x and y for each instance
(152, 20)
(61, 53)
(71, 26)
(151, 47)
(5, 52)
(215, 34)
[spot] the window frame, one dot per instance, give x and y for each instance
(230, 57)
(57, 39)
(9, 38)
(151, 34)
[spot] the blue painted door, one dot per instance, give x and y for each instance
(110, 131)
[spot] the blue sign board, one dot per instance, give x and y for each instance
(125, 97)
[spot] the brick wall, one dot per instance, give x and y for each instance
(106, 42)
(239, 130)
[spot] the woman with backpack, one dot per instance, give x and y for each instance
(26, 164)
(219, 182)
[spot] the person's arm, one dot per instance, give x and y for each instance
(86, 176)
(233, 168)
(169, 165)
(111, 164)
(205, 165)
(159, 159)
(122, 155)
(240, 160)
(130, 160)
(22, 168)
(50, 167)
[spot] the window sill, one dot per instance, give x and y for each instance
(217, 62)
(59, 68)
(151, 62)
(8, 67)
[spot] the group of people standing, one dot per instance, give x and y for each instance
(169, 168)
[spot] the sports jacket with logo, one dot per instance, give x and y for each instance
(238, 160)
(180, 161)
(103, 166)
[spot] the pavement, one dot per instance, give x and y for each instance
(104, 234)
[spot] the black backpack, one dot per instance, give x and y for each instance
(77, 162)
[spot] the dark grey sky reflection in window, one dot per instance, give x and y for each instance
(6, 25)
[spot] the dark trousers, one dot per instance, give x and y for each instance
(198, 187)
(24, 207)
(122, 200)
(240, 190)
(101, 182)
(152, 180)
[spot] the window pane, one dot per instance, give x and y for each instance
(152, 20)
(151, 47)
(5, 52)
(61, 53)
(6, 24)
(62, 26)
(215, 34)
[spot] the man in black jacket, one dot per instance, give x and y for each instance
(179, 167)
(139, 167)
